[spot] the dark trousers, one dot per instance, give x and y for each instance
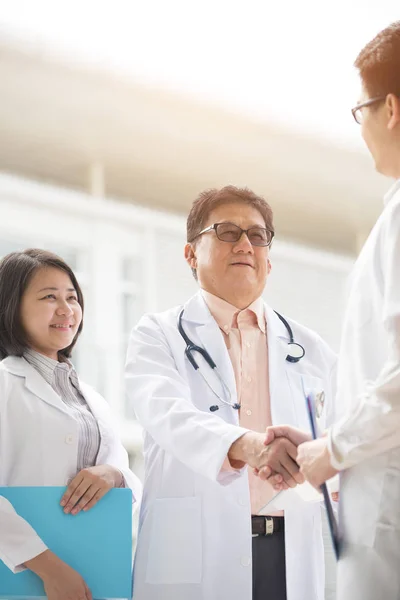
(269, 572)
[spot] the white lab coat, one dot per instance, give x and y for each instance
(366, 441)
(194, 537)
(39, 447)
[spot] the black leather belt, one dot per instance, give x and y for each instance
(266, 525)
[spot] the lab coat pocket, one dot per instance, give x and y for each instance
(301, 385)
(175, 548)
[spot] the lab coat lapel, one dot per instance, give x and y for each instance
(280, 385)
(204, 331)
(34, 382)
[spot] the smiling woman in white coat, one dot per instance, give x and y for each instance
(200, 534)
(54, 429)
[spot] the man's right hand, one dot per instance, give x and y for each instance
(294, 435)
(60, 581)
(278, 456)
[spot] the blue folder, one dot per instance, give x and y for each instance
(96, 543)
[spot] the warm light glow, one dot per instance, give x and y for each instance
(290, 61)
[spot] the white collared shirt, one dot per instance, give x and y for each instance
(62, 377)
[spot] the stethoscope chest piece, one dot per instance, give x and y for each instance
(295, 352)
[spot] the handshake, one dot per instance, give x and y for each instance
(275, 457)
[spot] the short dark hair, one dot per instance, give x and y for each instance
(208, 200)
(16, 271)
(378, 63)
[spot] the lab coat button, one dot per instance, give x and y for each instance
(242, 502)
(69, 439)
(245, 561)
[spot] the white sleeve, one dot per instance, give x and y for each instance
(161, 399)
(117, 455)
(118, 458)
(331, 409)
(18, 540)
(373, 426)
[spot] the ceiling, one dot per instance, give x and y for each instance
(160, 149)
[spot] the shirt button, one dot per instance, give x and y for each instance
(226, 327)
(245, 561)
(69, 439)
(248, 345)
(248, 412)
(249, 379)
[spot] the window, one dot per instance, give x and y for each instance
(7, 246)
(132, 306)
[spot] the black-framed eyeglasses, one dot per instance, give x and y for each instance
(357, 112)
(229, 232)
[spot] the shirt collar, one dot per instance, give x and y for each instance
(45, 365)
(391, 192)
(226, 314)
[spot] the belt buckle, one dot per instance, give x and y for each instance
(269, 525)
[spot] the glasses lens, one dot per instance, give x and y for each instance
(259, 236)
(228, 232)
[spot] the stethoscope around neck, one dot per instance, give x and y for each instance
(295, 353)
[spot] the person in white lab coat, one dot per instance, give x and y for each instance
(199, 534)
(54, 429)
(364, 445)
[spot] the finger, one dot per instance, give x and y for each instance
(274, 432)
(77, 495)
(286, 476)
(290, 465)
(289, 471)
(269, 436)
(86, 498)
(73, 484)
(277, 485)
(264, 473)
(275, 479)
(294, 470)
(100, 494)
(291, 449)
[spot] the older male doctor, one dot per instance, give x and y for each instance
(205, 380)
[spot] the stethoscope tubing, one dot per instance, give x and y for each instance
(191, 348)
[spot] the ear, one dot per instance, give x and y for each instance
(269, 266)
(190, 256)
(393, 110)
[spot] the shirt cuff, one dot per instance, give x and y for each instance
(337, 459)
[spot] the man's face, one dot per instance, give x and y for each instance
(231, 270)
(380, 131)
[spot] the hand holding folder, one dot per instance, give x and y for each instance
(333, 526)
(97, 543)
